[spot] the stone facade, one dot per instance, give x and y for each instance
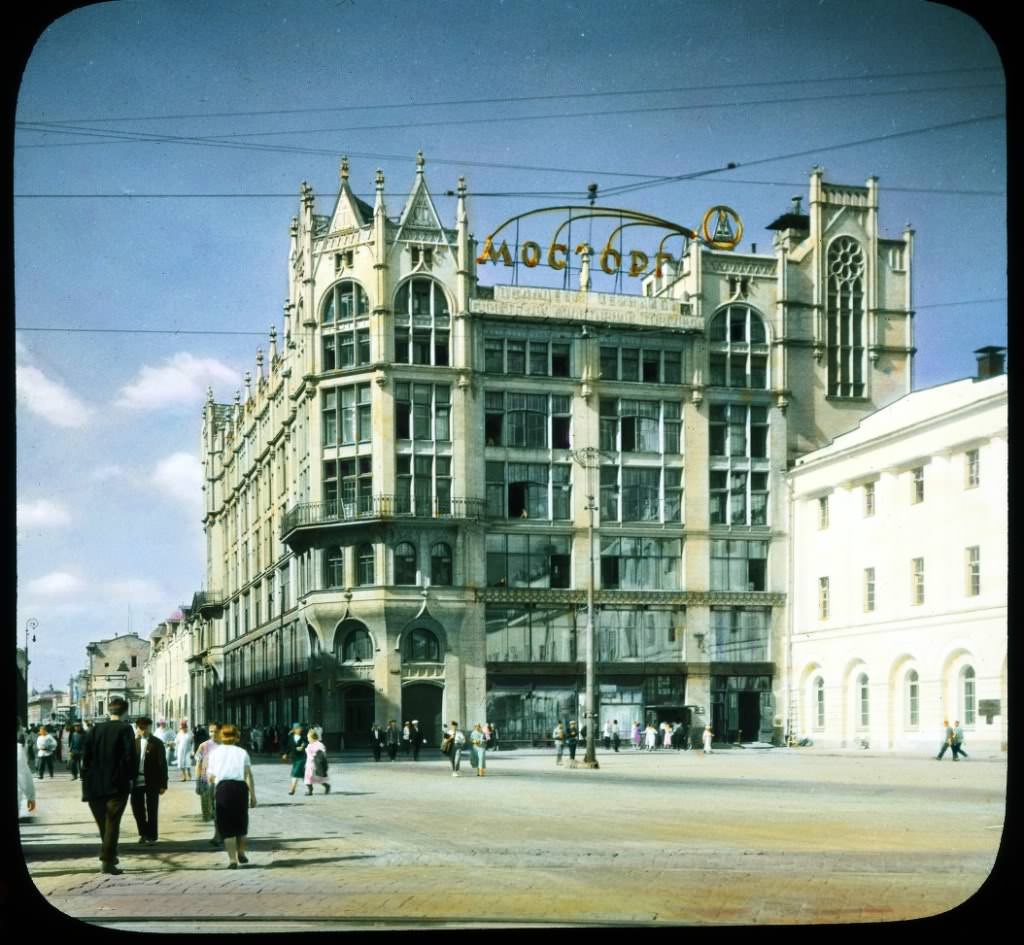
(899, 588)
(398, 505)
(116, 667)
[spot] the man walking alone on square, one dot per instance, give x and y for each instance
(109, 764)
(416, 739)
(947, 741)
(150, 781)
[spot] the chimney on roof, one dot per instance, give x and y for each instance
(991, 362)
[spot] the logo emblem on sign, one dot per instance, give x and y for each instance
(722, 228)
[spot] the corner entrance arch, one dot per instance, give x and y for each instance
(422, 701)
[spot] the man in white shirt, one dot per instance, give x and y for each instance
(46, 745)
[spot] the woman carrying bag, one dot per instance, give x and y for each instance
(316, 764)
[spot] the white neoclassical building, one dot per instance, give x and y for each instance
(898, 601)
(167, 671)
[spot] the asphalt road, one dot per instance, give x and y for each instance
(737, 837)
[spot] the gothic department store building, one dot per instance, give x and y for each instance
(397, 504)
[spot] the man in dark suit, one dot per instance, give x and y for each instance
(109, 766)
(416, 738)
(376, 740)
(150, 780)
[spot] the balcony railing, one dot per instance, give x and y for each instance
(378, 507)
(207, 600)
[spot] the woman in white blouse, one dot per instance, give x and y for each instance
(230, 774)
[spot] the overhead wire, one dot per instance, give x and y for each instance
(262, 334)
(647, 180)
(63, 128)
(379, 106)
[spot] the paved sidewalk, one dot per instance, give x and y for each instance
(738, 837)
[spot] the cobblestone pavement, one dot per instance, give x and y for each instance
(737, 837)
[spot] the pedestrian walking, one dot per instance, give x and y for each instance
(109, 764)
(493, 745)
(295, 752)
(636, 736)
(76, 741)
(406, 737)
(167, 737)
(452, 745)
(392, 736)
(572, 739)
(183, 743)
(315, 771)
(376, 740)
(46, 746)
(958, 741)
(650, 737)
(150, 780)
(416, 739)
(26, 783)
(558, 736)
(256, 739)
(706, 739)
(606, 735)
(478, 749)
(202, 756)
(947, 741)
(30, 746)
(230, 774)
(616, 741)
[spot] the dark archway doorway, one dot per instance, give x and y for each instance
(422, 701)
(357, 715)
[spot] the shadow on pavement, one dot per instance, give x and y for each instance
(310, 861)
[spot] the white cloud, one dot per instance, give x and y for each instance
(42, 513)
(56, 584)
(50, 400)
(110, 471)
(180, 476)
(180, 380)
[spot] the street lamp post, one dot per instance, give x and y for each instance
(589, 458)
(30, 625)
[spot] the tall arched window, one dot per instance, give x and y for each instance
(422, 323)
(819, 703)
(440, 564)
(738, 349)
(365, 565)
(912, 699)
(968, 702)
(345, 326)
(357, 647)
(334, 567)
(405, 563)
(845, 319)
(421, 646)
(863, 701)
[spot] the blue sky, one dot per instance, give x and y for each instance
(109, 534)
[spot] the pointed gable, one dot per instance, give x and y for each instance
(419, 220)
(349, 211)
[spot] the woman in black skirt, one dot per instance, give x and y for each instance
(230, 774)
